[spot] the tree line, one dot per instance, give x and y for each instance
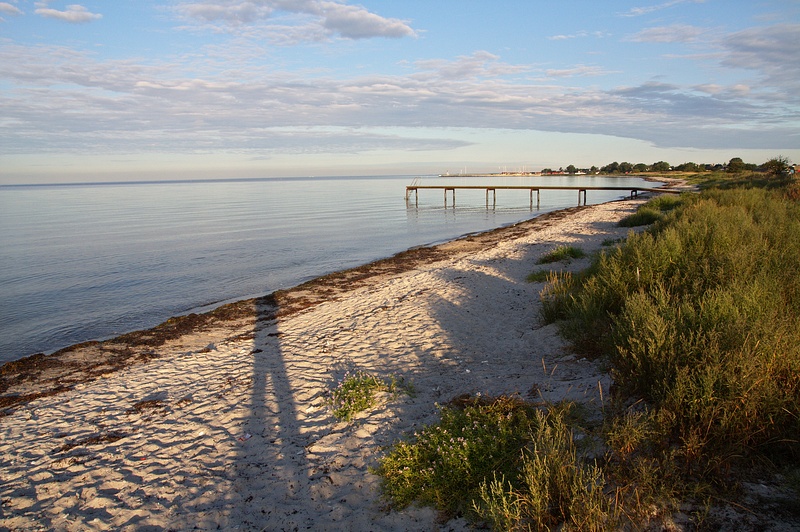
(776, 166)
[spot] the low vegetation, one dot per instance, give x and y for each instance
(653, 211)
(562, 253)
(501, 461)
(698, 319)
(359, 391)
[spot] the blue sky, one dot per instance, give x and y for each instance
(146, 89)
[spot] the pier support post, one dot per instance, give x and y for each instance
(494, 197)
(454, 196)
(538, 198)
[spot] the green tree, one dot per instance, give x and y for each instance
(571, 169)
(688, 167)
(777, 166)
(661, 166)
(736, 165)
(625, 168)
(640, 167)
(612, 168)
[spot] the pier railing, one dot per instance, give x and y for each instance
(582, 190)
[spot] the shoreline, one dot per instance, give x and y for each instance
(58, 366)
(221, 419)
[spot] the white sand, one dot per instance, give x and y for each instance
(239, 436)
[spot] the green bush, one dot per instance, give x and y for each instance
(501, 461)
(556, 488)
(445, 464)
(700, 318)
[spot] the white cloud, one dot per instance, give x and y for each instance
(579, 35)
(771, 50)
(75, 14)
(639, 11)
(357, 23)
(579, 70)
(231, 12)
(668, 34)
(479, 65)
(9, 9)
(58, 99)
(314, 19)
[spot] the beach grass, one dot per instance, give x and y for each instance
(698, 320)
(652, 211)
(562, 253)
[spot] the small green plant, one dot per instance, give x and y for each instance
(540, 276)
(562, 253)
(358, 392)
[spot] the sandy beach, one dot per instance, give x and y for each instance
(220, 421)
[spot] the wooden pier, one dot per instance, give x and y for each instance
(634, 191)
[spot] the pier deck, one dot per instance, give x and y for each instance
(634, 191)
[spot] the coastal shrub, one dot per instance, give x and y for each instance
(699, 318)
(665, 202)
(556, 488)
(358, 392)
(562, 253)
(555, 296)
(643, 216)
(653, 211)
(443, 465)
(499, 461)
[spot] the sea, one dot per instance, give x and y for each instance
(90, 261)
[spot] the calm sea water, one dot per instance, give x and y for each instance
(82, 262)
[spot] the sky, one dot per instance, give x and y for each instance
(113, 90)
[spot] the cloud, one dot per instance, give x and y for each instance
(576, 71)
(9, 9)
(668, 34)
(479, 65)
(235, 13)
(579, 35)
(75, 14)
(60, 99)
(639, 11)
(358, 23)
(315, 18)
(772, 51)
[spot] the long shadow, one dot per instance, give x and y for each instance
(289, 436)
(275, 435)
